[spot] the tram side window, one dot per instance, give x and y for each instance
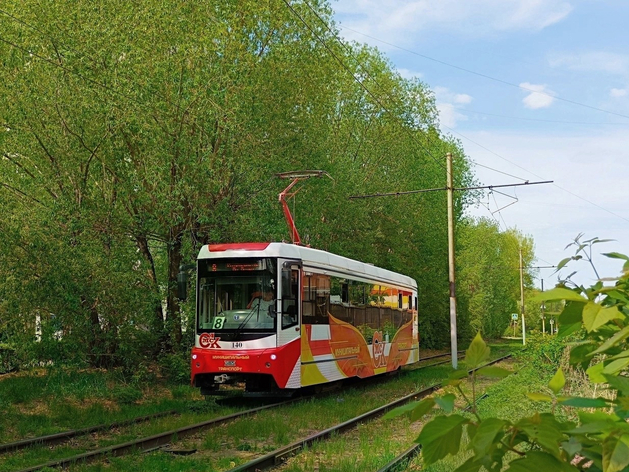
(316, 302)
(290, 287)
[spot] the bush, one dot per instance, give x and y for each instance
(175, 368)
(543, 352)
(597, 439)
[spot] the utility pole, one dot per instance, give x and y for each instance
(543, 318)
(522, 298)
(450, 192)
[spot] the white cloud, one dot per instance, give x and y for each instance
(617, 93)
(462, 98)
(592, 61)
(409, 74)
(393, 20)
(587, 170)
(449, 116)
(539, 96)
(449, 105)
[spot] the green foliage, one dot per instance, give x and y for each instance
(488, 276)
(543, 352)
(126, 145)
(126, 394)
(176, 368)
(546, 441)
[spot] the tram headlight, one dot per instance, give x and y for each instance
(194, 356)
(273, 357)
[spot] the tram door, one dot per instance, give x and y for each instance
(289, 317)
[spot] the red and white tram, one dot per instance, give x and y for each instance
(280, 317)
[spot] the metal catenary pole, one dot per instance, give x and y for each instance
(451, 250)
(522, 299)
(451, 272)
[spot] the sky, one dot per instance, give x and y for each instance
(534, 90)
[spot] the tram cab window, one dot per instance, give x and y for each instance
(237, 295)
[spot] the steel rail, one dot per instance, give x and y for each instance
(151, 442)
(437, 356)
(412, 451)
(63, 436)
(143, 444)
(278, 456)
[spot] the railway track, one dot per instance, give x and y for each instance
(59, 438)
(145, 444)
(405, 457)
(160, 440)
(278, 456)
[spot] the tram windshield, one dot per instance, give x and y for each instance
(237, 296)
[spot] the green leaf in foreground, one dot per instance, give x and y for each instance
(539, 397)
(477, 353)
(541, 462)
(595, 373)
(486, 434)
(613, 341)
(470, 465)
(422, 408)
(616, 255)
(571, 318)
(545, 430)
(616, 366)
(493, 372)
(446, 402)
(557, 382)
(440, 437)
(402, 410)
(595, 316)
(559, 293)
(580, 402)
(615, 453)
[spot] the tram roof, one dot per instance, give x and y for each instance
(311, 257)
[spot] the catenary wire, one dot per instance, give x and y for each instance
(538, 120)
(492, 214)
(485, 75)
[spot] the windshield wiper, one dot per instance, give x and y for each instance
(247, 318)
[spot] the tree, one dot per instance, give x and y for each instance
(134, 134)
(488, 263)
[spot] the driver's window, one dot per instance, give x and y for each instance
(290, 289)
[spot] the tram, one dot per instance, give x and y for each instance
(279, 317)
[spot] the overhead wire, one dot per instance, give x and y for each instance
(510, 84)
(538, 120)
(378, 101)
(513, 85)
(346, 67)
(485, 76)
(532, 173)
(361, 84)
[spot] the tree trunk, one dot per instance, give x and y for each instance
(158, 316)
(173, 314)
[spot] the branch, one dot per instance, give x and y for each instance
(21, 194)
(53, 160)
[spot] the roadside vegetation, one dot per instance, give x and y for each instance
(579, 419)
(127, 145)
